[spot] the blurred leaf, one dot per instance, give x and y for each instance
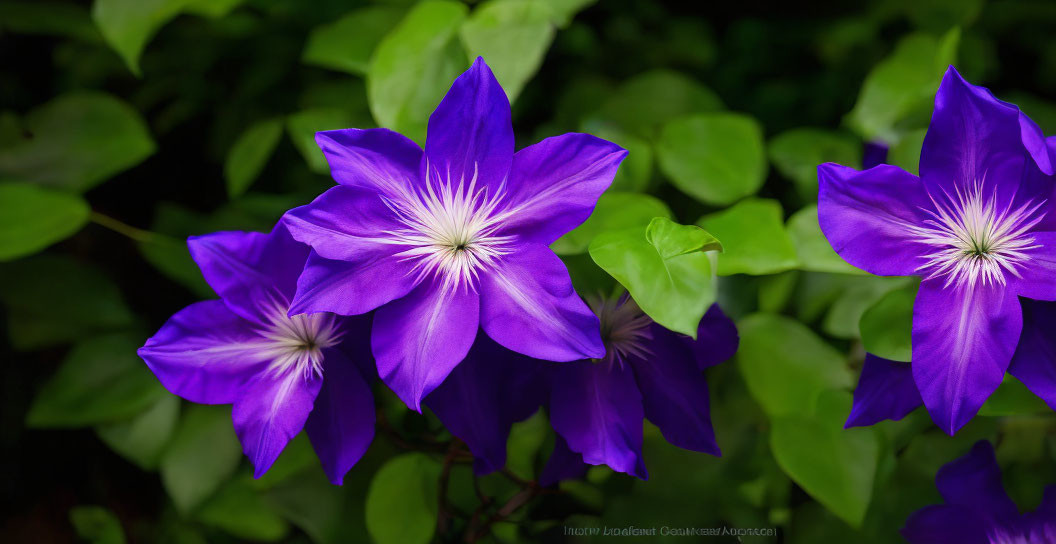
(562, 11)
(167, 250)
(715, 158)
(202, 455)
(776, 291)
(211, 8)
(856, 295)
(940, 15)
(887, 325)
(77, 141)
(753, 237)
(302, 127)
(347, 44)
(647, 101)
(48, 18)
(798, 152)
(414, 65)
(614, 211)
(294, 459)
(97, 525)
(814, 251)
(32, 218)
(52, 299)
(143, 438)
(1012, 398)
(906, 153)
(239, 510)
(101, 380)
(402, 500)
(665, 267)
(902, 84)
(250, 154)
(127, 25)
(636, 170)
(526, 438)
(512, 36)
(329, 514)
(786, 366)
(834, 465)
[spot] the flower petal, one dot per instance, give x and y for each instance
(563, 464)
(598, 411)
(963, 340)
(867, 217)
(1038, 279)
(341, 426)
(675, 393)
(376, 159)
(205, 353)
(351, 288)
(886, 390)
(484, 395)
(944, 524)
(555, 184)
(250, 269)
(1041, 523)
(528, 305)
(273, 410)
(717, 338)
(974, 482)
(344, 224)
(1034, 363)
(470, 134)
(419, 339)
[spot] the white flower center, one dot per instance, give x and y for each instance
(297, 343)
(624, 329)
(450, 229)
(975, 240)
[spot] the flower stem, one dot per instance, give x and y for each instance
(136, 234)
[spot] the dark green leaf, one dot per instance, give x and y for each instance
(250, 154)
(203, 454)
(239, 510)
(1013, 398)
(402, 500)
(143, 438)
(302, 127)
(347, 44)
(32, 218)
(97, 525)
(886, 326)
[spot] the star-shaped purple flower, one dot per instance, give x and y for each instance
(977, 226)
(597, 407)
(281, 373)
(977, 509)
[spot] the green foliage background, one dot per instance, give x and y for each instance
(127, 125)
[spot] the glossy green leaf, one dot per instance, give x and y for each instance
(887, 325)
(302, 127)
(78, 140)
(512, 36)
(614, 211)
(97, 525)
(347, 43)
(402, 500)
(127, 25)
(814, 251)
(715, 158)
(414, 65)
(203, 454)
(101, 380)
(665, 268)
(786, 365)
(143, 438)
(32, 218)
(834, 465)
(239, 510)
(798, 152)
(645, 102)
(1012, 398)
(754, 240)
(250, 154)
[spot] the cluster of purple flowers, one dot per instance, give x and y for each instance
(431, 270)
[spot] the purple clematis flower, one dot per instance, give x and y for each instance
(977, 509)
(597, 406)
(452, 238)
(281, 373)
(977, 226)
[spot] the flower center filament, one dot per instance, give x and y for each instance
(624, 329)
(449, 229)
(976, 240)
(297, 343)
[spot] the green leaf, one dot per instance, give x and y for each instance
(636, 170)
(834, 465)
(402, 500)
(665, 268)
(48, 19)
(414, 65)
(798, 152)
(127, 25)
(856, 295)
(902, 85)
(347, 44)
(101, 380)
(906, 153)
(143, 438)
(814, 251)
(239, 510)
(32, 218)
(887, 325)
(512, 36)
(716, 158)
(329, 514)
(753, 237)
(645, 102)
(211, 8)
(202, 455)
(614, 211)
(51, 300)
(250, 154)
(786, 366)
(97, 525)
(525, 440)
(77, 141)
(1012, 398)
(302, 127)
(562, 11)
